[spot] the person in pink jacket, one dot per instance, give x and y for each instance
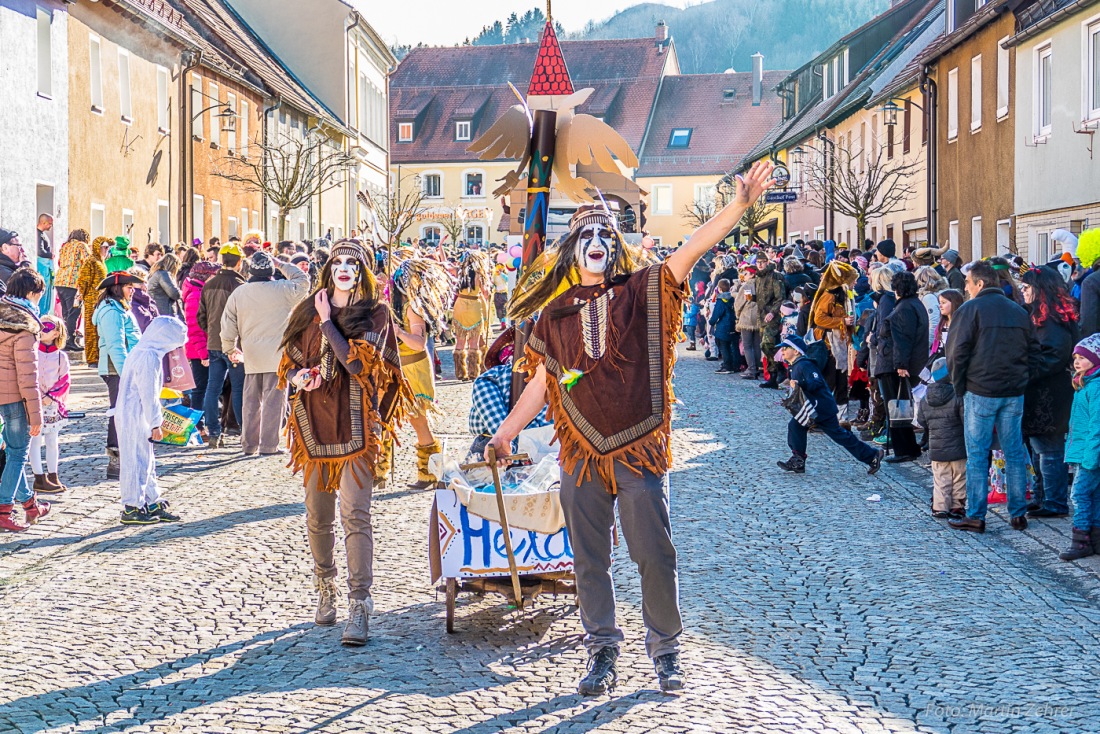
(195, 348)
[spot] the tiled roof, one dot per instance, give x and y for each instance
(724, 124)
(433, 84)
(225, 32)
(1033, 19)
(982, 17)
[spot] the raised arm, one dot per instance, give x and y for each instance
(749, 189)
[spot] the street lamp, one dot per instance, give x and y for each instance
(797, 153)
(890, 113)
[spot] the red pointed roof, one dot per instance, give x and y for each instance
(551, 76)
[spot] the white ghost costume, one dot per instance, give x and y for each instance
(138, 409)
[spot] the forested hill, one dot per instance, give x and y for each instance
(717, 35)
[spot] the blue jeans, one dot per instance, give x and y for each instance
(17, 441)
(197, 396)
(220, 366)
(796, 438)
(1051, 451)
(1086, 498)
(981, 416)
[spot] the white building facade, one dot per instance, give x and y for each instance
(34, 129)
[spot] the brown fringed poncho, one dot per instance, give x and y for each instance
(622, 337)
(350, 415)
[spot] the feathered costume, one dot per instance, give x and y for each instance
(363, 396)
(423, 287)
(472, 313)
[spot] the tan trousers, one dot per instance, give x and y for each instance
(264, 407)
(354, 497)
(948, 485)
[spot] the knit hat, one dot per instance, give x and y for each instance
(887, 248)
(788, 308)
(7, 235)
(202, 271)
(260, 266)
(1089, 348)
(794, 342)
(951, 256)
(939, 370)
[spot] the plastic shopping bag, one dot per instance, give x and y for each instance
(180, 426)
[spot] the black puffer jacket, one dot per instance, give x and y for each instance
(908, 324)
(1049, 395)
(991, 349)
(941, 414)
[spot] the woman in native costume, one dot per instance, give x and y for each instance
(340, 352)
(421, 289)
(471, 318)
(601, 354)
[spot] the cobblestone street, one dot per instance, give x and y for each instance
(808, 608)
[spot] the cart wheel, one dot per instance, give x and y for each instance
(452, 592)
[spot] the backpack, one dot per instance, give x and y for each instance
(818, 352)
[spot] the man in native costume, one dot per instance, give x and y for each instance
(601, 354)
(340, 352)
(421, 290)
(471, 317)
(833, 320)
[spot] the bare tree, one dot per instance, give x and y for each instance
(756, 215)
(289, 172)
(864, 185)
(698, 213)
(395, 211)
(453, 222)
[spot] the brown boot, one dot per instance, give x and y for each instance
(40, 484)
(1080, 546)
(461, 372)
(382, 468)
(53, 484)
(425, 479)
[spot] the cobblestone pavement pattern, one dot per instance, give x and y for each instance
(808, 608)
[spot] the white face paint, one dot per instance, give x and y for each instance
(345, 272)
(594, 248)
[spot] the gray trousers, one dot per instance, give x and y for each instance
(354, 497)
(644, 514)
(264, 407)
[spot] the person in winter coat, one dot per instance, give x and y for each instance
(991, 354)
(20, 404)
(941, 415)
(195, 348)
(950, 262)
(162, 286)
(794, 273)
(139, 416)
(215, 294)
(833, 324)
(1083, 449)
(723, 322)
(748, 322)
(771, 291)
(930, 284)
(691, 315)
(820, 408)
(253, 323)
(1049, 393)
(907, 323)
(118, 334)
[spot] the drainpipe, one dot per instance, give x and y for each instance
(267, 111)
(187, 144)
(930, 91)
(349, 198)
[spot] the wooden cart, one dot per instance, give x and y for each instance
(543, 566)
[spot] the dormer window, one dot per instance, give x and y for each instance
(680, 137)
(404, 132)
(462, 130)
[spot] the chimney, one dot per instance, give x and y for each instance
(757, 78)
(662, 32)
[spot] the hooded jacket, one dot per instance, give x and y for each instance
(19, 329)
(164, 292)
(1049, 394)
(941, 414)
(723, 317)
(196, 335)
(215, 294)
(1083, 445)
(118, 333)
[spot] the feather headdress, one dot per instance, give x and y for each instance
(475, 264)
(426, 287)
